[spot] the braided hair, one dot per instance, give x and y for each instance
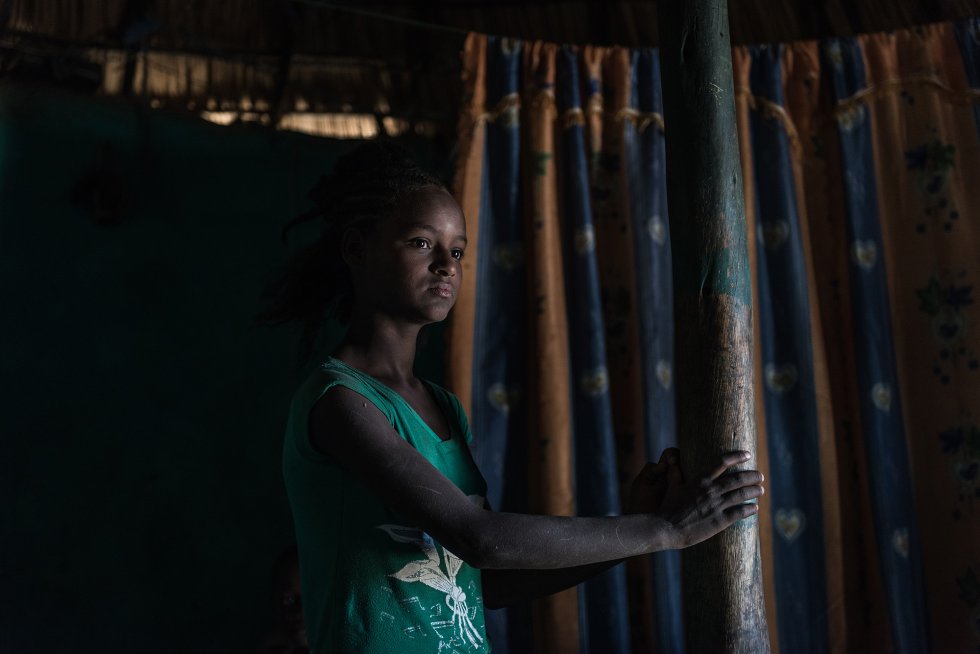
(367, 185)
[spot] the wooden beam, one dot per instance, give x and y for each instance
(723, 600)
(131, 34)
(286, 16)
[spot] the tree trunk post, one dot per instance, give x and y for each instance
(722, 587)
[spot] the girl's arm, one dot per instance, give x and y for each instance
(352, 431)
(506, 587)
(647, 494)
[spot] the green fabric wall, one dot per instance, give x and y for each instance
(141, 410)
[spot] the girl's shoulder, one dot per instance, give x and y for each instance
(332, 373)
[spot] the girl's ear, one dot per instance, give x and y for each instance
(352, 246)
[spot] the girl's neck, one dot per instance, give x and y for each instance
(380, 348)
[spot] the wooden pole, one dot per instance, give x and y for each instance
(723, 602)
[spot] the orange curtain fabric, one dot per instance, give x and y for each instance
(920, 108)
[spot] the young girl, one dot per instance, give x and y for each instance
(398, 550)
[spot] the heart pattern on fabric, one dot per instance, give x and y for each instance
(657, 230)
(900, 541)
(595, 383)
(773, 233)
(850, 118)
(790, 524)
(502, 398)
(780, 378)
(864, 253)
(881, 396)
(508, 256)
(585, 239)
(664, 373)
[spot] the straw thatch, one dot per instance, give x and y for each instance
(300, 64)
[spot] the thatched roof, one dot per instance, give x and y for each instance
(322, 68)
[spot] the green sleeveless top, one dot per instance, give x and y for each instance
(371, 581)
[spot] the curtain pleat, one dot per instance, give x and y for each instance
(605, 618)
(968, 40)
(611, 187)
(879, 401)
(550, 474)
(652, 276)
(861, 171)
(468, 188)
(792, 429)
(489, 356)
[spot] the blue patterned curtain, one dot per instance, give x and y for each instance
(860, 163)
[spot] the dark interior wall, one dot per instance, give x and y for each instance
(141, 410)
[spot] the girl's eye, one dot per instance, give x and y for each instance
(420, 243)
(457, 254)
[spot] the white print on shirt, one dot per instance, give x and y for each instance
(438, 573)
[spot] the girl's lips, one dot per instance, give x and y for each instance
(442, 290)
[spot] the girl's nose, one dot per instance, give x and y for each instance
(445, 264)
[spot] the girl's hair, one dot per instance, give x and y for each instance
(367, 185)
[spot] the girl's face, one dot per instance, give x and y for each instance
(408, 266)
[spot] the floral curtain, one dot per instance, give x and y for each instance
(861, 165)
